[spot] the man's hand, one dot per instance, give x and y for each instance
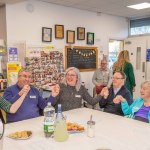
(118, 99)
(55, 90)
(24, 90)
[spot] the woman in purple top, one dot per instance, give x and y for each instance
(140, 108)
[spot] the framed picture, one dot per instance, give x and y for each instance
(90, 38)
(80, 33)
(59, 31)
(46, 34)
(70, 36)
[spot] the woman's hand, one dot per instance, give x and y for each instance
(105, 92)
(55, 90)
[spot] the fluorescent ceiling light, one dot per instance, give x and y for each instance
(140, 6)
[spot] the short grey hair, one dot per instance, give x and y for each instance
(77, 72)
(147, 82)
(23, 70)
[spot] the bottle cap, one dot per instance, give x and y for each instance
(49, 103)
(59, 108)
(59, 105)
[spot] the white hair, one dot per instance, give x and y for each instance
(147, 82)
(77, 72)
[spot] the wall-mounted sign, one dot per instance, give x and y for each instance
(13, 54)
(148, 55)
(12, 72)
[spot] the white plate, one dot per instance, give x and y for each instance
(20, 138)
(75, 131)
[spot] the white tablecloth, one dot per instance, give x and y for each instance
(111, 131)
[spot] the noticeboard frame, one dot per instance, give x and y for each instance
(85, 48)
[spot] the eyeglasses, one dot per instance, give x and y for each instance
(25, 76)
(115, 78)
(71, 75)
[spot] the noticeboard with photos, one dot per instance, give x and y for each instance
(47, 69)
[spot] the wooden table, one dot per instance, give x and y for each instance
(111, 131)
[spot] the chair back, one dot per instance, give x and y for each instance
(1, 133)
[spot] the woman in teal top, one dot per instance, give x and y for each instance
(123, 64)
(140, 108)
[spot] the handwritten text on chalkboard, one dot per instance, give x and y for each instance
(83, 58)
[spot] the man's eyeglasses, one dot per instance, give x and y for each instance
(115, 78)
(71, 75)
(25, 76)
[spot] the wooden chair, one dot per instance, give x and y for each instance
(3, 113)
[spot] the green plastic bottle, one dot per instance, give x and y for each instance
(60, 133)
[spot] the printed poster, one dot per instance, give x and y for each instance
(12, 72)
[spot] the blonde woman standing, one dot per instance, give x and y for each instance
(123, 64)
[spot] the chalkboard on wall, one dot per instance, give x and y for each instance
(83, 58)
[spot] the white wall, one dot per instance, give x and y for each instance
(23, 25)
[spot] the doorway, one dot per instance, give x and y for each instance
(137, 50)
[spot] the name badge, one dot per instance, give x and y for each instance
(32, 96)
(79, 96)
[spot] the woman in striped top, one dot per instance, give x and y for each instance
(11, 108)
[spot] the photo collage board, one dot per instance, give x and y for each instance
(46, 65)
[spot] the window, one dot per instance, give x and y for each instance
(115, 46)
(140, 26)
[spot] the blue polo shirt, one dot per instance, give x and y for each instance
(30, 106)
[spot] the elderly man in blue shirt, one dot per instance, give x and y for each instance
(33, 100)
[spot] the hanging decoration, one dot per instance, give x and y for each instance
(85, 54)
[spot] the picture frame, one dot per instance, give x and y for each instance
(59, 31)
(80, 33)
(90, 38)
(70, 37)
(46, 34)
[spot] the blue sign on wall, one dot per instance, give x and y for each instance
(12, 54)
(148, 55)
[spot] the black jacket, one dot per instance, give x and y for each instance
(110, 106)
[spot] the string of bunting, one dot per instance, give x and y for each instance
(86, 54)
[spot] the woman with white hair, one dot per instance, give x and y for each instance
(140, 108)
(72, 92)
